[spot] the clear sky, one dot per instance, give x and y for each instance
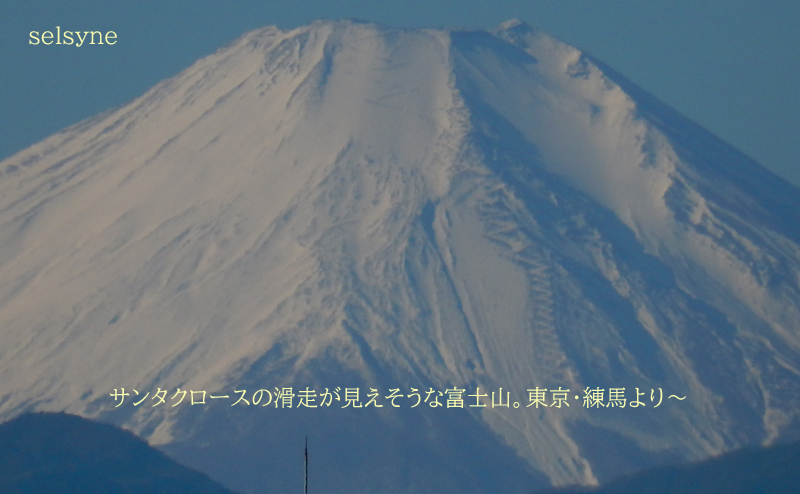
(733, 66)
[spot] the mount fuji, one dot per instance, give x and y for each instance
(346, 206)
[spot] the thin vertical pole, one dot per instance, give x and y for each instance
(305, 487)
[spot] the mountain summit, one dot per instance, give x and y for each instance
(402, 212)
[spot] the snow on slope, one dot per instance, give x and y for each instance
(352, 205)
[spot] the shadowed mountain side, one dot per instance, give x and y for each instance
(57, 452)
(749, 470)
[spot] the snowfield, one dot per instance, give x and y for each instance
(352, 205)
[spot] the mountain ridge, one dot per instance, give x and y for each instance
(57, 452)
(747, 470)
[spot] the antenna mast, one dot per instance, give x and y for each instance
(305, 487)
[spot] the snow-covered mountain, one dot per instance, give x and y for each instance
(346, 205)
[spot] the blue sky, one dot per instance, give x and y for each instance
(732, 65)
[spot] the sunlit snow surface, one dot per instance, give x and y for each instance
(349, 205)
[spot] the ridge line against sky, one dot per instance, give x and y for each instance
(731, 66)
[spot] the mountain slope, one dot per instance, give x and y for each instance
(346, 205)
(56, 452)
(751, 470)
